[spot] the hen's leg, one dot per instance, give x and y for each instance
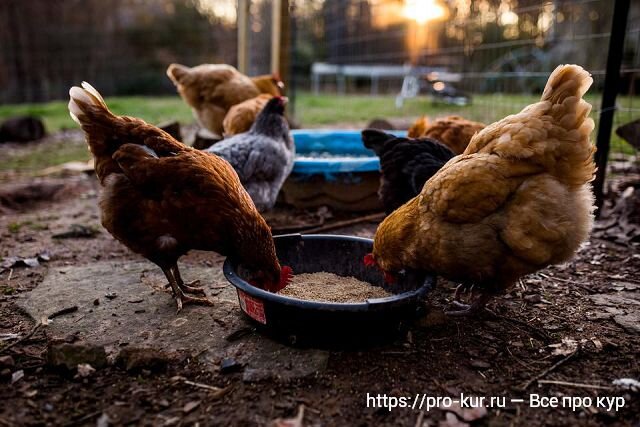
(456, 294)
(175, 289)
(179, 295)
(469, 309)
(188, 288)
(461, 289)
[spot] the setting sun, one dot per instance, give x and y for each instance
(423, 11)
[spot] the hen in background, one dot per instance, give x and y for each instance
(161, 198)
(453, 131)
(271, 84)
(241, 116)
(263, 156)
(516, 201)
(405, 165)
(212, 89)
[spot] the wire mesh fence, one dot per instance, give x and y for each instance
(123, 46)
(482, 59)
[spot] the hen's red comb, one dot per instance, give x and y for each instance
(369, 261)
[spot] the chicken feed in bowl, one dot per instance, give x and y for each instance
(314, 318)
(329, 287)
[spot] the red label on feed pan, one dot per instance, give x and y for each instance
(252, 306)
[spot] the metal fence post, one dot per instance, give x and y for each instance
(611, 87)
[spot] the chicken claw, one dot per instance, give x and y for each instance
(192, 288)
(179, 291)
(182, 299)
(188, 288)
(461, 289)
(472, 309)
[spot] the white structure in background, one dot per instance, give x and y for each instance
(410, 89)
(341, 72)
(438, 83)
(413, 78)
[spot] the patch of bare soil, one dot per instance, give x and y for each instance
(567, 331)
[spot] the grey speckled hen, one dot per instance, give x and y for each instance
(263, 156)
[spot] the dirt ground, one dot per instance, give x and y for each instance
(567, 331)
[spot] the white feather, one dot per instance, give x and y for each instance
(74, 110)
(93, 91)
(88, 95)
(166, 242)
(78, 93)
(74, 117)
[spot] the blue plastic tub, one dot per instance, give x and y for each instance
(351, 156)
(333, 168)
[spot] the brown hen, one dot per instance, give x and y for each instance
(161, 198)
(453, 131)
(516, 201)
(241, 116)
(212, 89)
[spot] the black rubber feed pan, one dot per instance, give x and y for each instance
(312, 323)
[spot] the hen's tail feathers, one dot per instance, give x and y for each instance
(83, 100)
(572, 125)
(106, 132)
(566, 81)
(88, 109)
(176, 72)
(564, 90)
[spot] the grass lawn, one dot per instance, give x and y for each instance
(38, 156)
(56, 115)
(311, 111)
(323, 110)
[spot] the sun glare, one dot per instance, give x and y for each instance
(218, 9)
(423, 11)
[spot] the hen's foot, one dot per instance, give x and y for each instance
(182, 300)
(192, 288)
(189, 288)
(465, 310)
(179, 290)
(461, 289)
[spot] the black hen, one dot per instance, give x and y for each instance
(406, 164)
